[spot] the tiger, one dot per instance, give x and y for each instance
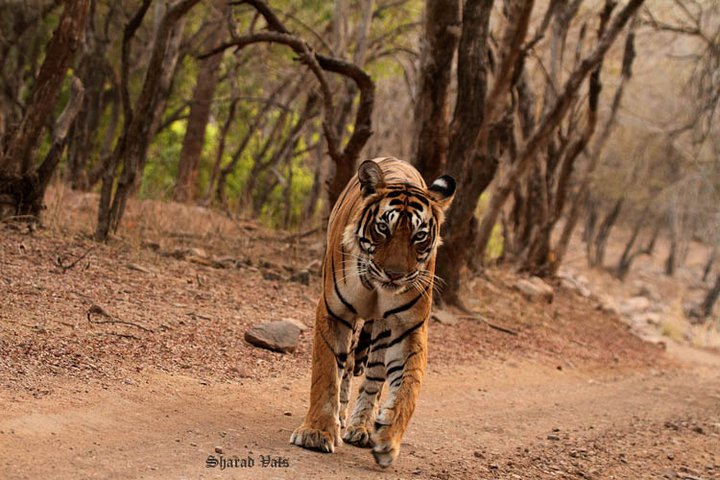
(372, 315)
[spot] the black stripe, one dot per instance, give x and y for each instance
(371, 392)
(407, 306)
(422, 199)
(375, 364)
(347, 304)
(406, 333)
(365, 211)
(374, 379)
(376, 348)
(381, 335)
(397, 381)
(415, 205)
(395, 193)
(335, 316)
(363, 279)
(379, 425)
(392, 370)
(330, 347)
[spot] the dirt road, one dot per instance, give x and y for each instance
(497, 420)
(571, 393)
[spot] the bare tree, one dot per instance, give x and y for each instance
(22, 184)
(194, 140)
(132, 146)
(344, 159)
(550, 121)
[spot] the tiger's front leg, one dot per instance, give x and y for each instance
(405, 363)
(321, 428)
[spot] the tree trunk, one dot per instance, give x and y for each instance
(133, 144)
(19, 156)
(22, 186)
(628, 256)
(194, 140)
(600, 241)
(92, 71)
(472, 72)
(711, 298)
(671, 260)
(583, 195)
(28, 190)
(256, 124)
(222, 143)
(431, 136)
(709, 263)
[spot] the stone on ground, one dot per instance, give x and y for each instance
(279, 336)
(534, 288)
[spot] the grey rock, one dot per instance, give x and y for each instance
(301, 325)
(634, 305)
(444, 317)
(534, 288)
(279, 336)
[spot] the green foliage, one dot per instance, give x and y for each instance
(161, 168)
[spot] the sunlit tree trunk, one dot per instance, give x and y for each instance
(194, 140)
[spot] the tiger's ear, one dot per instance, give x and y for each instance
(371, 177)
(442, 191)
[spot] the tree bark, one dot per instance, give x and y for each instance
(19, 156)
(472, 73)
(29, 189)
(600, 241)
(700, 313)
(628, 255)
(194, 140)
(712, 256)
(432, 108)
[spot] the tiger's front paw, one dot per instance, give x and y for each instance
(385, 452)
(386, 445)
(358, 435)
(315, 439)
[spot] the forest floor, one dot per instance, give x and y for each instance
(166, 380)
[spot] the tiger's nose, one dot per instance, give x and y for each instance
(394, 274)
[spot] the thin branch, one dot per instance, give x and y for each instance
(65, 268)
(98, 310)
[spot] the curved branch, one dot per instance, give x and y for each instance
(344, 159)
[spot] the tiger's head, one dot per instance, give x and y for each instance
(397, 231)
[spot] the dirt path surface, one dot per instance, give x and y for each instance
(497, 420)
(561, 390)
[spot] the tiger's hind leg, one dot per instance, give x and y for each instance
(331, 344)
(360, 427)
